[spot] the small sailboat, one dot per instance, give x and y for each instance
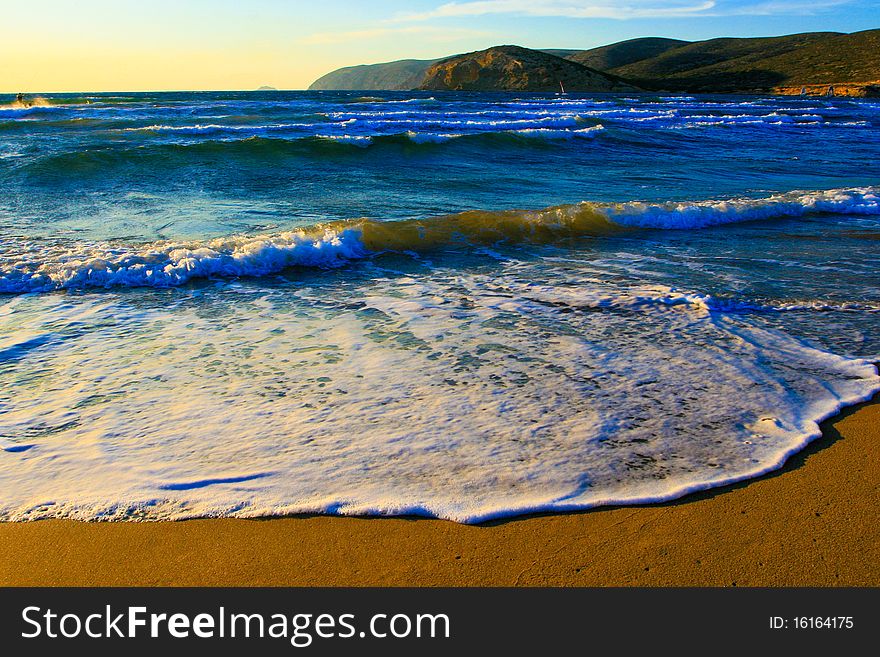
(562, 89)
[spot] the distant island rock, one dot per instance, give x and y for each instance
(512, 68)
(265, 88)
(814, 61)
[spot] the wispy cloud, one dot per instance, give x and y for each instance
(567, 8)
(413, 24)
(624, 10)
(783, 7)
(425, 32)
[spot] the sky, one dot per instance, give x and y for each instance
(142, 45)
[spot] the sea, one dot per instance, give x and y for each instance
(462, 305)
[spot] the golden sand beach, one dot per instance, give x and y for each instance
(814, 523)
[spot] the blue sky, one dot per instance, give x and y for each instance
(57, 45)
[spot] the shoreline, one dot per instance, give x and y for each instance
(811, 523)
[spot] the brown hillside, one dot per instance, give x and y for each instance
(623, 53)
(761, 64)
(511, 68)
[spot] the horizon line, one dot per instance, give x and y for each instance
(145, 91)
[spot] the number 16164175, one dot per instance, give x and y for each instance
(812, 623)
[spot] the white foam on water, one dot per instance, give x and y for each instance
(703, 214)
(443, 123)
(210, 129)
(355, 140)
(455, 395)
(431, 137)
(412, 101)
(40, 266)
(551, 133)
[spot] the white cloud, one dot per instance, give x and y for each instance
(428, 33)
(622, 10)
(568, 8)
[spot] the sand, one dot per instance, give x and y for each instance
(814, 523)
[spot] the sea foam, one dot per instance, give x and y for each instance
(459, 395)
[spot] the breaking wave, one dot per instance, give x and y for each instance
(29, 266)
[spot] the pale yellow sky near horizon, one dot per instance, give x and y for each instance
(114, 46)
(96, 69)
(122, 45)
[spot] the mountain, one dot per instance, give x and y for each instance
(785, 64)
(267, 88)
(760, 64)
(402, 75)
(619, 54)
(565, 53)
(512, 68)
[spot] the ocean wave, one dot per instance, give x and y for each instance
(697, 120)
(98, 159)
(489, 125)
(411, 101)
(581, 112)
(552, 133)
(26, 266)
(418, 137)
(18, 112)
(450, 114)
(169, 264)
(241, 143)
(356, 140)
(703, 124)
(368, 100)
(689, 215)
(384, 124)
(431, 137)
(515, 118)
(556, 102)
(210, 129)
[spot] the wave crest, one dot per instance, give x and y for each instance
(29, 267)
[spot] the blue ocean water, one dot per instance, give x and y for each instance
(457, 305)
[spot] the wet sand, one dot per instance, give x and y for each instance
(814, 523)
